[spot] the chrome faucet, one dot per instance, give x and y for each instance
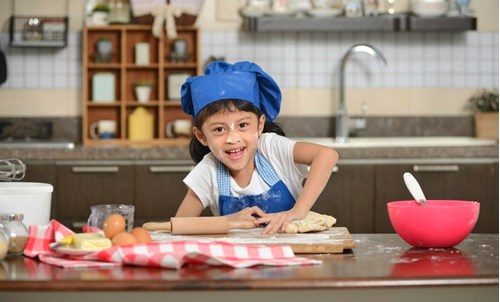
(342, 122)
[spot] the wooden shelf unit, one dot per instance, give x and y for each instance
(126, 72)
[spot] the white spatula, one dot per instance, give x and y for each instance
(414, 188)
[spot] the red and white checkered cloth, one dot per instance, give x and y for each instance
(175, 254)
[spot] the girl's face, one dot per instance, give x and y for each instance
(232, 138)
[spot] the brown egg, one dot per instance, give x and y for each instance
(114, 224)
(123, 238)
(141, 235)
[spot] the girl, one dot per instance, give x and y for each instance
(246, 168)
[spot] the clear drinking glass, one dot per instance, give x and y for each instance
(99, 213)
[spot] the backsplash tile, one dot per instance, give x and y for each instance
(303, 60)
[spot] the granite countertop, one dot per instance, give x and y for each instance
(181, 153)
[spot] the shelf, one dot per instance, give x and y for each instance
(448, 24)
(384, 23)
(120, 71)
(39, 32)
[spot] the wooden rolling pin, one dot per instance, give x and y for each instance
(198, 225)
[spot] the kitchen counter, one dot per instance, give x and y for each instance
(379, 267)
(182, 153)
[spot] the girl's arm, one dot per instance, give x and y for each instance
(191, 205)
(321, 161)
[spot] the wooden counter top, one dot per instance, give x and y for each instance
(377, 261)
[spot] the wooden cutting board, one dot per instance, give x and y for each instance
(333, 241)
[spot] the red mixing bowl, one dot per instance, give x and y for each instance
(438, 224)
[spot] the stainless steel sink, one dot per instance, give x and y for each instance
(36, 143)
(378, 142)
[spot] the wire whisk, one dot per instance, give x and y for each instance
(12, 169)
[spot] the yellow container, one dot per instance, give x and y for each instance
(140, 125)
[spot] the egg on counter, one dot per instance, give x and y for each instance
(123, 238)
(114, 224)
(141, 235)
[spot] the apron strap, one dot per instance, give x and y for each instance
(223, 179)
(264, 168)
(266, 171)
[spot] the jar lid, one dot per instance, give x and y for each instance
(11, 217)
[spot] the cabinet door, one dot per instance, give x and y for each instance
(476, 182)
(82, 186)
(159, 191)
(348, 197)
(45, 173)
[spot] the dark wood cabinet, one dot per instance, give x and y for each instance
(475, 182)
(81, 186)
(356, 194)
(348, 197)
(159, 191)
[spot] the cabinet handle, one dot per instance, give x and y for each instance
(436, 168)
(98, 169)
(78, 224)
(166, 169)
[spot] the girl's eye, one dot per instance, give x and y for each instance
(243, 125)
(219, 130)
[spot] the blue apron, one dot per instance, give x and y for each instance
(277, 199)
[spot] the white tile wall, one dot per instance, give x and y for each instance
(303, 60)
(429, 60)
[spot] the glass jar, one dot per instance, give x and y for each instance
(13, 225)
(4, 243)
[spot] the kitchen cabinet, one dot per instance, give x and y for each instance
(159, 190)
(475, 182)
(82, 185)
(383, 23)
(348, 197)
(109, 80)
(156, 189)
(356, 193)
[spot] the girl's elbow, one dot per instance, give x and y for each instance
(330, 155)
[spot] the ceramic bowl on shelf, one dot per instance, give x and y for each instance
(438, 224)
(429, 8)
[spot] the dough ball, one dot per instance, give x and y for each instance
(313, 222)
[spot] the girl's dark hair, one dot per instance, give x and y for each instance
(197, 150)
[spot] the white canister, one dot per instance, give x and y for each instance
(32, 199)
(142, 53)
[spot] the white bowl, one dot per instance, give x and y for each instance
(32, 199)
(429, 8)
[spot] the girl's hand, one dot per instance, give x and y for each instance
(247, 214)
(277, 222)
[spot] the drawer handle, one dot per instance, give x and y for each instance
(166, 169)
(78, 224)
(100, 169)
(436, 168)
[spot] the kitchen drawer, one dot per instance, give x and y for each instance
(84, 185)
(159, 191)
(348, 197)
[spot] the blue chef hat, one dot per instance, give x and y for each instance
(242, 81)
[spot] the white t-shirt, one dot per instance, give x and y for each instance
(278, 150)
